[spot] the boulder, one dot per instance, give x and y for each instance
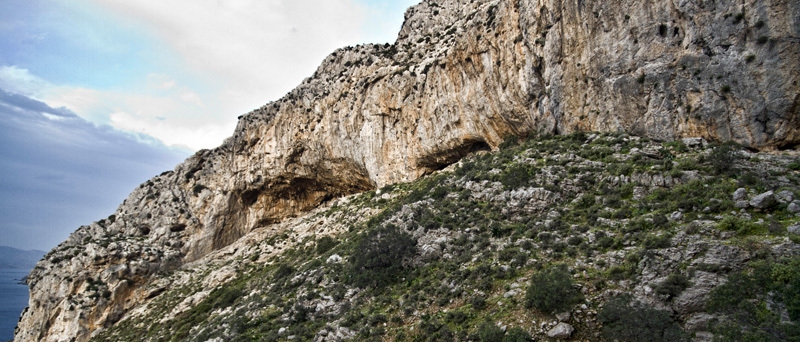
(785, 196)
(334, 259)
(694, 142)
(764, 201)
(740, 194)
(561, 331)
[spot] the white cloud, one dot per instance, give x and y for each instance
(20, 81)
(191, 136)
(233, 56)
(253, 51)
(162, 109)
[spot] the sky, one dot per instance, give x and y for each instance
(97, 96)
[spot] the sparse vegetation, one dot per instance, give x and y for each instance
(381, 256)
(552, 291)
(511, 239)
(627, 320)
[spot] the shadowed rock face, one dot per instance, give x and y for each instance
(462, 76)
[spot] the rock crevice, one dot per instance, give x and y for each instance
(462, 76)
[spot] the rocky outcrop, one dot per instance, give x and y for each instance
(462, 76)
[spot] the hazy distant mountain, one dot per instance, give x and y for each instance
(16, 258)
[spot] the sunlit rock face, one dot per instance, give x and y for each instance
(462, 76)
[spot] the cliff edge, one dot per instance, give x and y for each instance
(463, 76)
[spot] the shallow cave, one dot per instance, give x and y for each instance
(441, 159)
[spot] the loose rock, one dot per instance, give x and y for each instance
(740, 194)
(561, 331)
(764, 201)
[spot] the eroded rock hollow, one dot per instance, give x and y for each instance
(462, 76)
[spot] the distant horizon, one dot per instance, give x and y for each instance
(24, 250)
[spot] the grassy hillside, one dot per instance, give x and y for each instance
(585, 237)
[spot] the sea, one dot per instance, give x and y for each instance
(13, 299)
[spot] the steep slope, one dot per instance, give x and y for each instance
(462, 76)
(581, 237)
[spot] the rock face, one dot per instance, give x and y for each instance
(561, 331)
(461, 77)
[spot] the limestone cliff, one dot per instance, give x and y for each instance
(462, 76)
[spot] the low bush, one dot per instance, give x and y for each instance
(753, 300)
(517, 335)
(325, 244)
(723, 159)
(490, 332)
(380, 257)
(626, 320)
(673, 285)
(552, 291)
(741, 226)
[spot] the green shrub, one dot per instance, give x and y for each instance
(723, 159)
(677, 146)
(657, 241)
(744, 302)
(574, 240)
(325, 244)
(457, 317)
(282, 271)
(673, 285)
(552, 291)
(605, 242)
(516, 334)
(490, 332)
(517, 176)
(478, 303)
(626, 320)
(380, 257)
(741, 226)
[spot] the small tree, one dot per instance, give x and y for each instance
(552, 291)
(723, 159)
(626, 320)
(490, 332)
(517, 335)
(673, 285)
(380, 257)
(325, 244)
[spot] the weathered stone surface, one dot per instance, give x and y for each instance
(764, 201)
(694, 142)
(785, 196)
(740, 194)
(462, 76)
(793, 207)
(561, 331)
(699, 322)
(694, 298)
